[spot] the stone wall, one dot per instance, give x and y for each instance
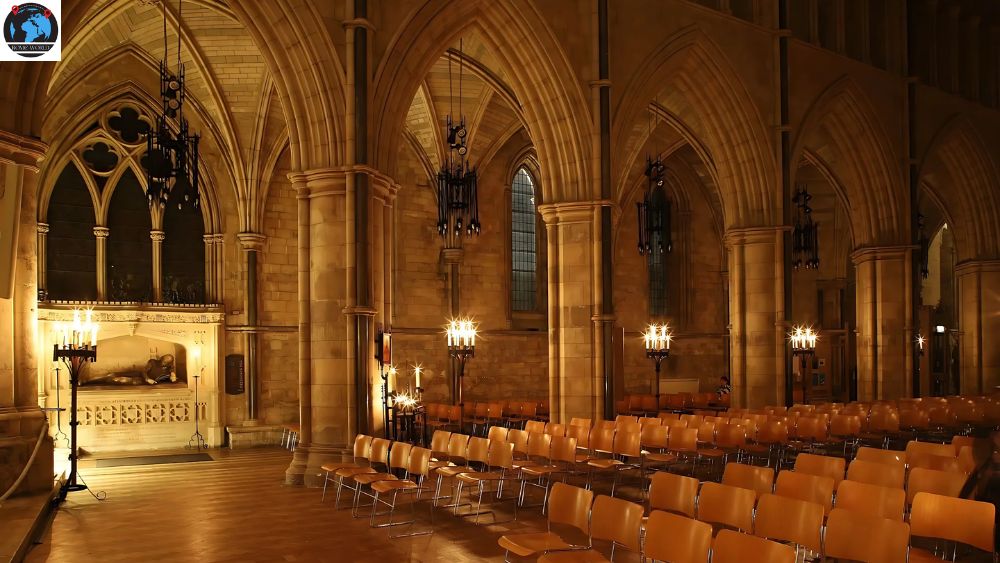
(278, 298)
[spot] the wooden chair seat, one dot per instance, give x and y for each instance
(333, 467)
(369, 478)
(473, 477)
(661, 458)
(526, 545)
(540, 470)
(347, 472)
(575, 556)
(452, 470)
(604, 463)
(383, 487)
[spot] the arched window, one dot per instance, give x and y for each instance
(524, 252)
(183, 251)
(71, 260)
(130, 250)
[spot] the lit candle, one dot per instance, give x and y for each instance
(93, 336)
(416, 372)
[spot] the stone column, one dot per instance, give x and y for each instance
(326, 385)
(884, 322)
(756, 313)
(215, 259)
(101, 240)
(20, 416)
(158, 237)
(576, 386)
(251, 243)
(42, 261)
(979, 325)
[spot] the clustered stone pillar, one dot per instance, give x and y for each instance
(42, 251)
(252, 244)
(576, 385)
(979, 325)
(19, 304)
(214, 261)
(884, 324)
(101, 235)
(326, 385)
(756, 312)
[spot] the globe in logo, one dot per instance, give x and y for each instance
(30, 29)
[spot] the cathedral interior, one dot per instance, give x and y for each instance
(264, 262)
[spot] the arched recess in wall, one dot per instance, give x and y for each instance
(709, 106)
(546, 88)
(843, 131)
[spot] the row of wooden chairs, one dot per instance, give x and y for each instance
(482, 415)
(668, 537)
(647, 403)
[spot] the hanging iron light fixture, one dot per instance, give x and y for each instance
(805, 235)
(458, 197)
(654, 211)
(171, 160)
(925, 247)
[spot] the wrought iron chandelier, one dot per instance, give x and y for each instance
(925, 247)
(654, 212)
(805, 235)
(171, 159)
(458, 197)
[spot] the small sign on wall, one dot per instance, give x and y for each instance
(235, 374)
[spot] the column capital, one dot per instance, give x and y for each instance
(359, 22)
(573, 211)
(868, 253)
(251, 241)
(102, 232)
(452, 255)
(43, 228)
(21, 150)
(214, 238)
(157, 236)
(976, 266)
(754, 235)
(333, 181)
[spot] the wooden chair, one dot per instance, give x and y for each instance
(497, 433)
(534, 426)
(937, 462)
(760, 480)
(538, 451)
(626, 455)
(734, 547)
(727, 506)
(439, 444)
(914, 448)
(790, 520)
(822, 465)
(891, 457)
(378, 457)
(581, 434)
(802, 486)
(944, 483)
(520, 440)
(873, 500)
(476, 457)
(772, 437)
(499, 468)
(555, 429)
(458, 444)
(874, 473)
(683, 443)
(677, 539)
(568, 506)
(418, 470)
(562, 461)
(615, 520)
(845, 429)
(362, 449)
(857, 536)
(673, 493)
(585, 422)
(967, 522)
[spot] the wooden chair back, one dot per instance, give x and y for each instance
(873, 500)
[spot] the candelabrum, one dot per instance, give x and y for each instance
(59, 436)
(657, 339)
(803, 341)
(197, 441)
(461, 346)
(77, 345)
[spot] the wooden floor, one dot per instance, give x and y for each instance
(237, 509)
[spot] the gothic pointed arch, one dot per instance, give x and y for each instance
(554, 106)
(843, 132)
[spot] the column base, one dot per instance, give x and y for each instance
(305, 468)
